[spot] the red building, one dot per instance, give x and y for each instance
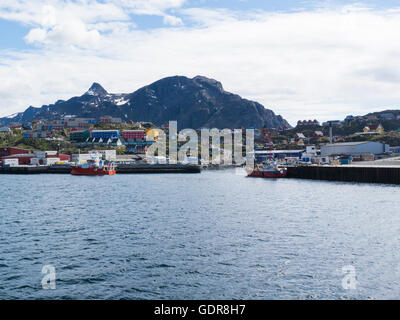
(8, 151)
(63, 157)
(134, 135)
(23, 159)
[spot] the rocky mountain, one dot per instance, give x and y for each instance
(194, 103)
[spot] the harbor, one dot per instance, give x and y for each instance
(144, 230)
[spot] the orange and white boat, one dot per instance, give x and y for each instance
(94, 167)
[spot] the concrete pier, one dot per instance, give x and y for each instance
(367, 174)
(121, 169)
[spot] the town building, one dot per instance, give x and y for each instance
(387, 116)
(23, 158)
(8, 151)
(395, 149)
(110, 120)
(104, 134)
(300, 136)
(264, 155)
(79, 123)
(14, 125)
(48, 158)
(109, 155)
(5, 130)
(134, 135)
(79, 136)
(308, 123)
(37, 134)
(318, 134)
(374, 128)
(115, 142)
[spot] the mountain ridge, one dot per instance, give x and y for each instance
(194, 103)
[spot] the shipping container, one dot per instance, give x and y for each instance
(10, 162)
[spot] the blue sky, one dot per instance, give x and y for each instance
(302, 59)
(12, 35)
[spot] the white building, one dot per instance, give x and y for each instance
(109, 155)
(354, 148)
(311, 152)
(5, 130)
(44, 154)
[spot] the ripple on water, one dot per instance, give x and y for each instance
(216, 235)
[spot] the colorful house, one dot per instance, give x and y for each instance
(374, 128)
(300, 136)
(318, 134)
(79, 135)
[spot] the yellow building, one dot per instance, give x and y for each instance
(152, 134)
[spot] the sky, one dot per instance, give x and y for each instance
(302, 59)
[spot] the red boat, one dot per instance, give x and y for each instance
(269, 171)
(93, 168)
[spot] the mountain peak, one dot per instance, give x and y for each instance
(96, 90)
(208, 81)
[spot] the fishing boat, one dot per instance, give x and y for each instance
(94, 167)
(269, 170)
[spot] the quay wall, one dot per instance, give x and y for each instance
(160, 168)
(385, 175)
(121, 169)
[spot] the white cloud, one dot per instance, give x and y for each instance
(173, 21)
(67, 22)
(36, 35)
(313, 64)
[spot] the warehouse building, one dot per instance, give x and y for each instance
(23, 159)
(354, 149)
(8, 151)
(264, 155)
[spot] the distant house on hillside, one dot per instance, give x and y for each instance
(349, 119)
(15, 125)
(110, 120)
(5, 130)
(318, 134)
(299, 136)
(374, 128)
(308, 123)
(387, 116)
(300, 142)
